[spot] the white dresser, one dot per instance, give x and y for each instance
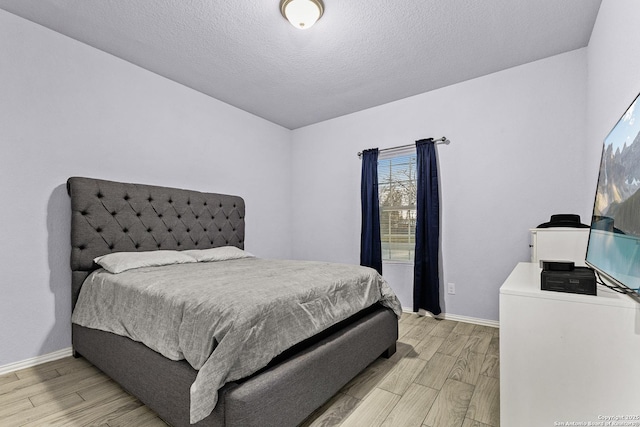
(566, 357)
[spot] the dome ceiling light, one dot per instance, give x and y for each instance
(302, 14)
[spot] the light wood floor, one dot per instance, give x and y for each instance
(444, 374)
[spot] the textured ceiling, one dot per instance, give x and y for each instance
(361, 53)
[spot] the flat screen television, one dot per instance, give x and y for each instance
(614, 238)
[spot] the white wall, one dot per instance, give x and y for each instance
(515, 158)
(614, 73)
(520, 151)
(68, 109)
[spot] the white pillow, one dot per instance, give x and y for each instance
(223, 253)
(118, 262)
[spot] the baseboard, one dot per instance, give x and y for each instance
(457, 318)
(34, 361)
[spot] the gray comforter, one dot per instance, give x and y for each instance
(228, 319)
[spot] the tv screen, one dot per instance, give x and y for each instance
(614, 237)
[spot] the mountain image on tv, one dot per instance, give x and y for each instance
(618, 195)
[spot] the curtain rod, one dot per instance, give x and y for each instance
(442, 140)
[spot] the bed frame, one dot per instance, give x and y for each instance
(110, 217)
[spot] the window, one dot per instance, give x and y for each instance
(397, 193)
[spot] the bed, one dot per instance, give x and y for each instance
(109, 217)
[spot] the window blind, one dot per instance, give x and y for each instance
(397, 194)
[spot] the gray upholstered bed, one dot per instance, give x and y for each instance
(117, 217)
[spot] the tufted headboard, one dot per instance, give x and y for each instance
(109, 216)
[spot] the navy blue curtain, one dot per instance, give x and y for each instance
(426, 281)
(370, 246)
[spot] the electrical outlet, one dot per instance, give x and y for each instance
(451, 288)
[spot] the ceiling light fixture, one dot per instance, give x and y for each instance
(302, 13)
